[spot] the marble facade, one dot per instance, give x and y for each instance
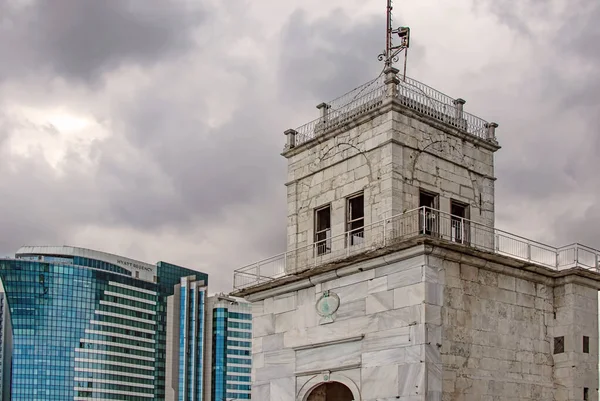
(428, 323)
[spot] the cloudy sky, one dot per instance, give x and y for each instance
(153, 128)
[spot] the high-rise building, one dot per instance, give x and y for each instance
(87, 325)
(5, 348)
(229, 345)
(186, 311)
(208, 345)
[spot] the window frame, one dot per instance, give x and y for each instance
(327, 241)
(460, 226)
(354, 236)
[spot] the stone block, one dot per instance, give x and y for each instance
(385, 357)
(399, 317)
(411, 380)
(350, 310)
(409, 295)
(263, 325)
(377, 284)
(343, 354)
(405, 278)
(469, 273)
(387, 339)
(282, 389)
(379, 302)
(380, 382)
(269, 373)
(257, 345)
(284, 304)
(285, 321)
(271, 343)
(262, 391)
(525, 287)
(280, 357)
(352, 292)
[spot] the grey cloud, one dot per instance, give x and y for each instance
(38, 205)
(80, 39)
(549, 139)
(323, 59)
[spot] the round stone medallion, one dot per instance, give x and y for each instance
(328, 304)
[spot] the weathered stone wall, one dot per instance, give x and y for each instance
(576, 308)
(376, 342)
(429, 324)
(389, 154)
(496, 341)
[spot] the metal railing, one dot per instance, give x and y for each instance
(411, 93)
(423, 221)
(343, 114)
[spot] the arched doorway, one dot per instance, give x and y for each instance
(331, 391)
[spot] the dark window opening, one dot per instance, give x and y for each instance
(559, 345)
(323, 230)
(586, 394)
(355, 225)
(428, 215)
(459, 222)
(586, 345)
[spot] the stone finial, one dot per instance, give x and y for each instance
(459, 103)
(324, 108)
(291, 138)
(491, 134)
(391, 81)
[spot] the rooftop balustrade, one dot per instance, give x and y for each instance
(423, 221)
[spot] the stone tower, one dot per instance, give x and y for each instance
(396, 284)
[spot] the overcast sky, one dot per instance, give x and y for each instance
(153, 128)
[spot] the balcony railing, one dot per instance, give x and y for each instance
(411, 93)
(418, 222)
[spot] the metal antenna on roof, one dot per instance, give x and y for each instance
(391, 53)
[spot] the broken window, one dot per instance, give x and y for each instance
(355, 219)
(428, 221)
(323, 230)
(559, 345)
(586, 345)
(459, 222)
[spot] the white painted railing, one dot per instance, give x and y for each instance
(418, 222)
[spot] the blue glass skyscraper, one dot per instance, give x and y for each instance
(231, 348)
(185, 341)
(209, 345)
(87, 325)
(5, 349)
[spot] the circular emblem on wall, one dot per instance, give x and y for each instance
(328, 304)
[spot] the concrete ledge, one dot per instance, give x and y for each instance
(412, 247)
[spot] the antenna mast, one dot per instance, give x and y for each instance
(390, 55)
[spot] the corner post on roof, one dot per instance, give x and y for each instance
(291, 138)
(491, 133)
(391, 81)
(324, 108)
(459, 103)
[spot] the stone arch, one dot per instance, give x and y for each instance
(317, 380)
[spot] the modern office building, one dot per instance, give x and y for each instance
(208, 345)
(87, 325)
(5, 349)
(185, 341)
(229, 341)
